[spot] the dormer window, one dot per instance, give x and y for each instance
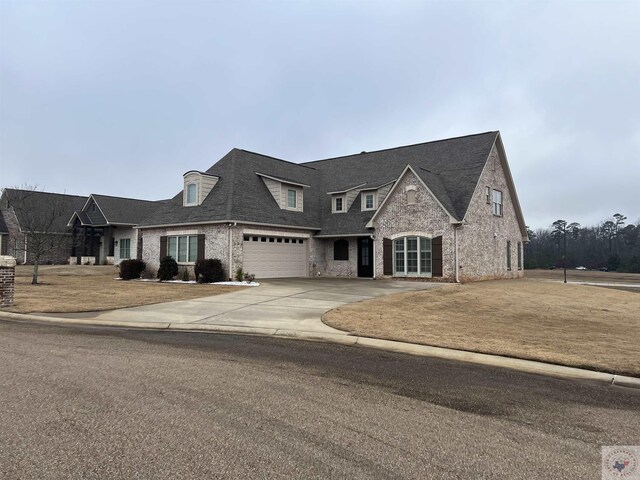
(192, 194)
(339, 204)
(292, 199)
(197, 186)
(369, 200)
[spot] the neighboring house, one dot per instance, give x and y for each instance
(105, 226)
(4, 236)
(27, 214)
(445, 209)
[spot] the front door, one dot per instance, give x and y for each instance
(365, 257)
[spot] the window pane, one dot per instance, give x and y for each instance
(369, 201)
(291, 199)
(125, 248)
(399, 255)
(192, 191)
(193, 248)
(182, 249)
(425, 255)
(412, 255)
(171, 247)
(338, 204)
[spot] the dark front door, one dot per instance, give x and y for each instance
(365, 257)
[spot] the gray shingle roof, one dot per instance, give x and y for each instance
(450, 168)
(3, 226)
(119, 210)
(35, 207)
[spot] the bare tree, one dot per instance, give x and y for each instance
(43, 224)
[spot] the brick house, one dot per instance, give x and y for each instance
(87, 230)
(445, 210)
(24, 212)
(105, 225)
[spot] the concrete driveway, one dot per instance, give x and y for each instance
(291, 304)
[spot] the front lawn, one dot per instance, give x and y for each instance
(80, 288)
(575, 325)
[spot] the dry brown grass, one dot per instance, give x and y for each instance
(574, 325)
(78, 288)
(590, 276)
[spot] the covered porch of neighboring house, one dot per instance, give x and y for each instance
(87, 245)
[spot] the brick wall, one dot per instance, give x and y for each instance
(482, 244)
(7, 280)
(426, 218)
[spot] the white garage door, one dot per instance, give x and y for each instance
(275, 257)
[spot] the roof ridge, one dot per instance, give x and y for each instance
(401, 146)
(275, 158)
(123, 198)
(42, 191)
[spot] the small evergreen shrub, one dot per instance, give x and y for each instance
(168, 269)
(249, 277)
(209, 271)
(239, 275)
(130, 269)
(185, 275)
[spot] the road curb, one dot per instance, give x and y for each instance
(521, 365)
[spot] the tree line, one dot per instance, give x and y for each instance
(612, 244)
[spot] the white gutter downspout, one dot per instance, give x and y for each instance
(373, 246)
(25, 250)
(231, 225)
(455, 254)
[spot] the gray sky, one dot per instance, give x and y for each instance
(121, 98)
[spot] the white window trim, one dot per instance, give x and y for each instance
(187, 203)
(120, 248)
(177, 241)
(411, 274)
(363, 199)
(344, 204)
(494, 203)
(295, 199)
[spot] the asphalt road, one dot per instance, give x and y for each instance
(98, 403)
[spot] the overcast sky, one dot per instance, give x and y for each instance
(121, 98)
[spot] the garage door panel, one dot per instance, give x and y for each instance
(273, 259)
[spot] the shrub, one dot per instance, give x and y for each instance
(130, 269)
(209, 270)
(239, 275)
(168, 269)
(249, 277)
(185, 275)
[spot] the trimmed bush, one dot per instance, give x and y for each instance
(130, 269)
(209, 271)
(239, 275)
(168, 269)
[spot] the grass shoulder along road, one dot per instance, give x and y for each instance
(81, 288)
(575, 325)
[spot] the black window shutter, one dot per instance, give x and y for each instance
(387, 256)
(201, 246)
(436, 257)
(163, 247)
(341, 250)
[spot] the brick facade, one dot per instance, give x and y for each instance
(482, 242)
(425, 218)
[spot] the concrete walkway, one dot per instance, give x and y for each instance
(283, 304)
